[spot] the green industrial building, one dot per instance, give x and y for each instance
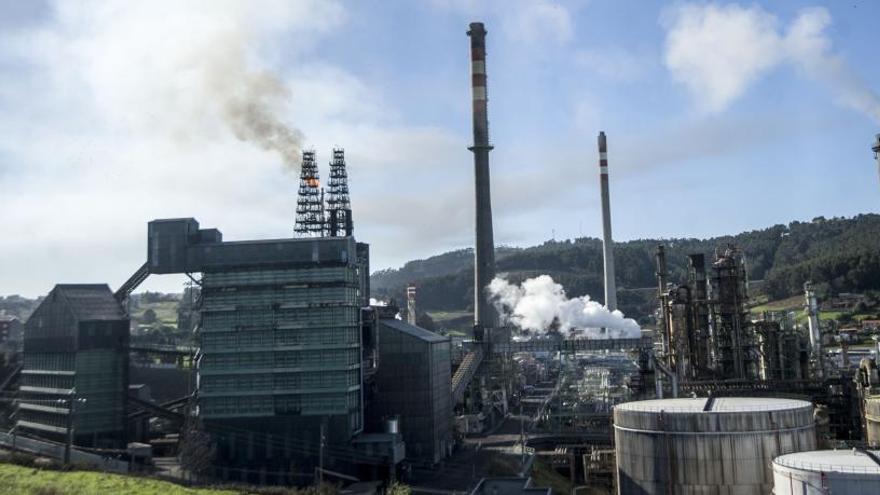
(75, 353)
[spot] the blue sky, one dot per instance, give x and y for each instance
(721, 117)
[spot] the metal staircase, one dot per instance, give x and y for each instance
(465, 372)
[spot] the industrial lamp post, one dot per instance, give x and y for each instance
(71, 407)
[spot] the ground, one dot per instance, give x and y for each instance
(19, 480)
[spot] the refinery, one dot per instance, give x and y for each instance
(299, 376)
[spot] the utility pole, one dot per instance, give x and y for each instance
(321, 458)
(70, 406)
(522, 435)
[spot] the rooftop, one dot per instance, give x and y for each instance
(414, 331)
(91, 301)
(718, 405)
(840, 461)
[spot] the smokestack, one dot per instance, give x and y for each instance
(411, 305)
(607, 243)
(484, 249)
(876, 150)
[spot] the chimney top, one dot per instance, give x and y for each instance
(476, 28)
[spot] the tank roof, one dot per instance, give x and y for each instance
(716, 405)
(840, 461)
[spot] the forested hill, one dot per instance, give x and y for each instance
(839, 254)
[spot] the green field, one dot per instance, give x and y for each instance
(18, 480)
(166, 312)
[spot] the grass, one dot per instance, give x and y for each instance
(789, 304)
(460, 321)
(545, 476)
(19, 480)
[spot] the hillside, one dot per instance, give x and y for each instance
(838, 254)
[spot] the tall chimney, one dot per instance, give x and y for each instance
(411, 305)
(607, 243)
(484, 249)
(876, 150)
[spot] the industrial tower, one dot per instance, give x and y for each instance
(484, 249)
(309, 203)
(338, 204)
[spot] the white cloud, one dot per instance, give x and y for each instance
(111, 121)
(718, 51)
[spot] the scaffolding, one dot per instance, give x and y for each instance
(310, 220)
(338, 204)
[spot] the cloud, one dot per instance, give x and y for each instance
(114, 117)
(718, 51)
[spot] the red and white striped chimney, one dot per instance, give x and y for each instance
(484, 247)
(607, 242)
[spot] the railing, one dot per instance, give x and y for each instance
(56, 451)
(828, 468)
(572, 345)
(183, 350)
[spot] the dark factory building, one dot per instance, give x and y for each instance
(281, 349)
(413, 383)
(76, 353)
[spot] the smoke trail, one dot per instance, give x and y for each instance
(249, 101)
(539, 303)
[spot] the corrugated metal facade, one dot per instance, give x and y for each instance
(77, 339)
(413, 382)
(281, 342)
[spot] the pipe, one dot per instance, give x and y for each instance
(607, 243)
(484, 249)
(876, 150)
(812, 308)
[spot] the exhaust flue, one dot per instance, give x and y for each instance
(484, 249)
(607, 243)
(876, 149)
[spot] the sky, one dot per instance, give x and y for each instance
(721, 117)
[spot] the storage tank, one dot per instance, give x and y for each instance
(827, 471)
(707, 446)
(872, 420)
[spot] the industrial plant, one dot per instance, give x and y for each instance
(298, 376)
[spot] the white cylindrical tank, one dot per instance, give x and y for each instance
(707, 446)
(872, 420)
(826, 471)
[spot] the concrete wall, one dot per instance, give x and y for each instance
(697, 452)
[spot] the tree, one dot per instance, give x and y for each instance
(196, 450)
(149, 317)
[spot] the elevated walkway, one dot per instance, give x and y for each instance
(465, 372)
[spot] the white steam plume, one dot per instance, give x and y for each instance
(718, 51)
(539, 303)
